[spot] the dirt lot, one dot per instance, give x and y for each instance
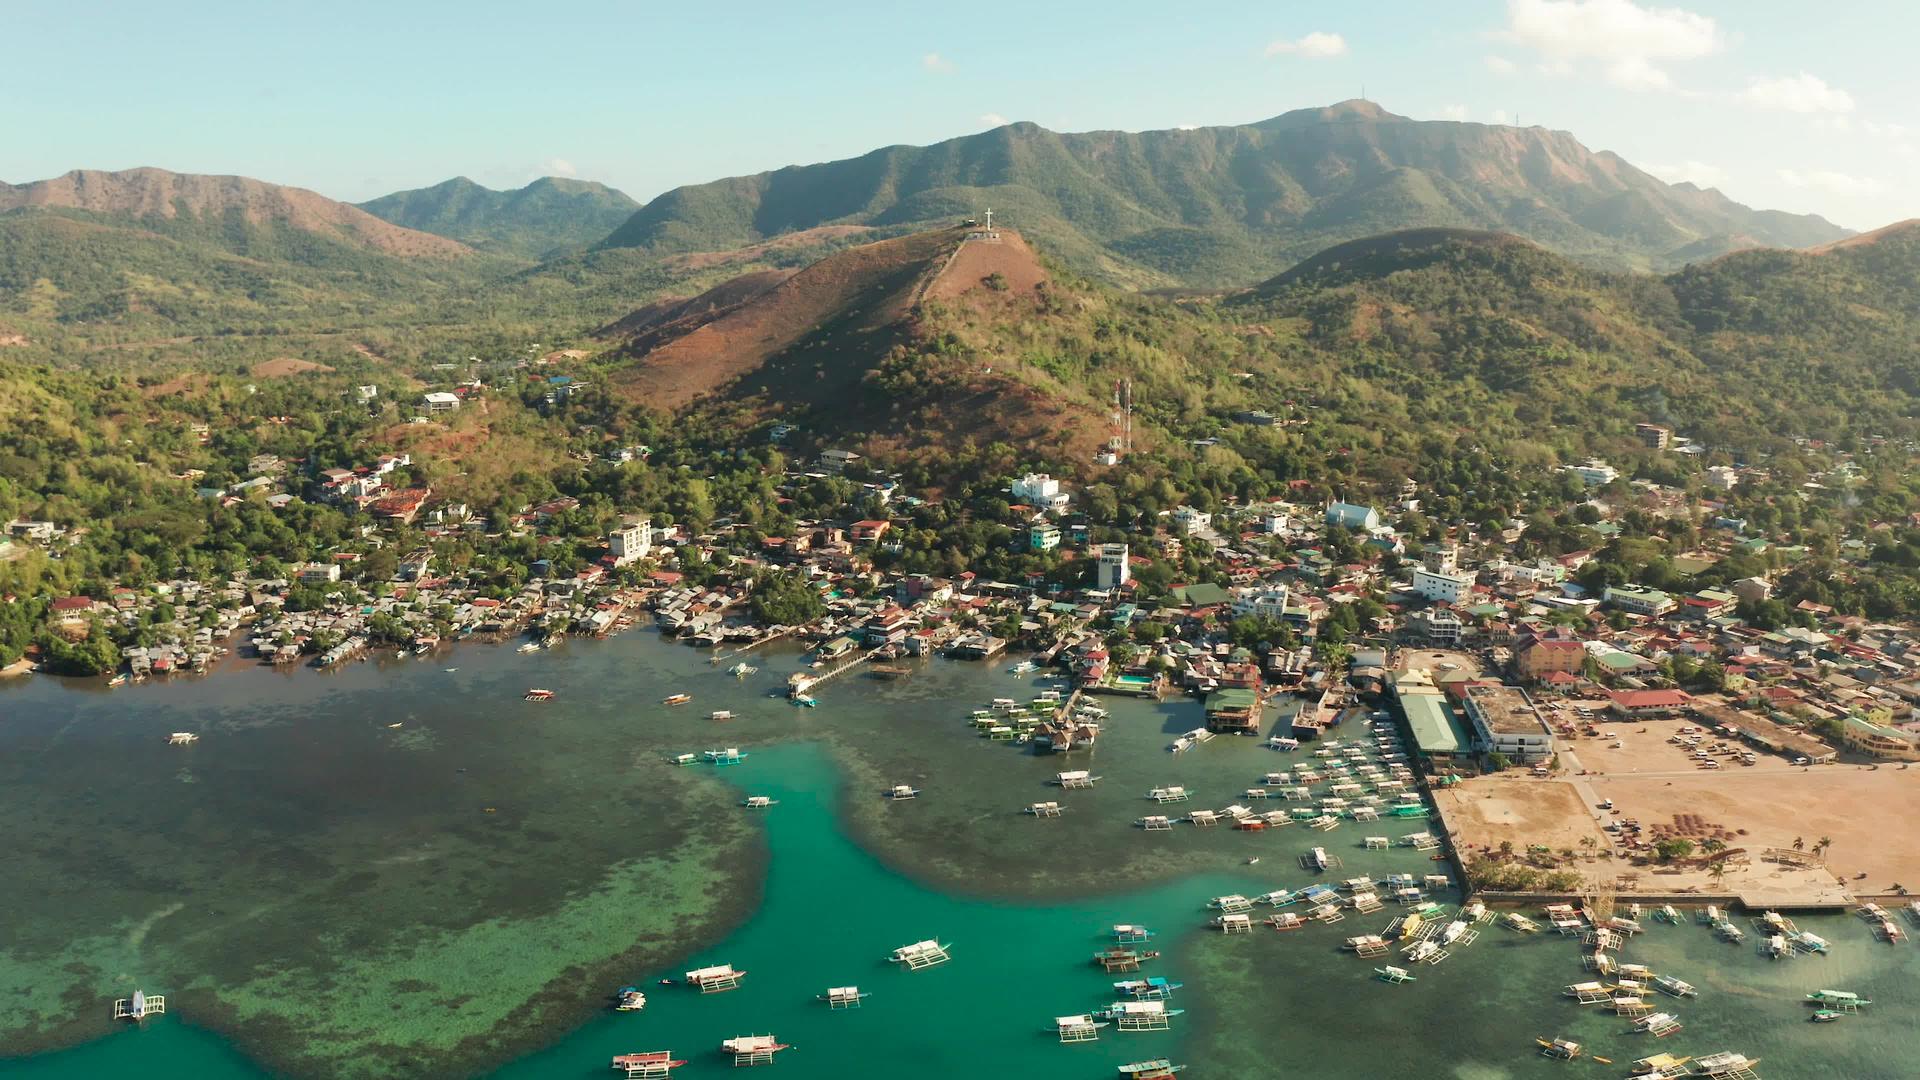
(1869, 814)
(282, 367)
(1644, 748)
(1520, 810)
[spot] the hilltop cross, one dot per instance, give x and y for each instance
(989, 219)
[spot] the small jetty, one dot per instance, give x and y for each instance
(921, 955)
(139, 1006)
(752, 1049)
(843, 997)
(715, 979)
(1077, 1029)
(648, 1065)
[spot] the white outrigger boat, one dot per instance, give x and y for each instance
(139, 1006)
(1659, 1025)
(921, 954)
(1667, 984)
(902, 792)
(1391, 974)
(1730, 1064)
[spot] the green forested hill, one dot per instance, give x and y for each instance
(550, 215)
(1230, 205)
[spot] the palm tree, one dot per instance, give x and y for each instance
(1713, 847)
(1799, 843)
(1820, 848)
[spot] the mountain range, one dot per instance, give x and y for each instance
(1220, 206)
(549, 216)
(222, 209)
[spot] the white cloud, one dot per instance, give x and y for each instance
(994, 120)
(1453, 112)
(1627, 40)
(1186, 127)
(1835, 183)
(558, 167)
(937, 64)
(1802, 93)
(1500, 65)
(1885, 131)
(1636, 74)
(1698, 173)
(1318, 45)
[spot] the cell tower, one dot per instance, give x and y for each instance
(1121, 440)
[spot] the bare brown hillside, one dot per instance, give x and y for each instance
(811, 348)
(150, 193)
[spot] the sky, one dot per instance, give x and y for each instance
(1788, 106)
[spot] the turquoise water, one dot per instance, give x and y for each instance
(306, 845)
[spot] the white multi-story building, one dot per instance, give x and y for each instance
(1113, 570)
(1193, 520)
(1595, 473)
(1264, 603)
(1505, 721)
(633, 540)
(1039, 489)
(440, 401)
(1437, 585)
(1724, 477)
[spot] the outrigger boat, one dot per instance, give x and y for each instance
(1129, 932)
(1659, 1025)
(645, 1066)
(1078, 1028)
(752, 1049)
(1391, 974)
(758, 802)
(1157, 1069)
(1825, 1016)
(1661, 1067)
(1140, 1015)
(1561, 1049)
(1119, 959)
(1148, 989)
(732, 755)
(713, 980)
(843, 997)
(1667, 984)
(1843, 1000)
(921, 954)
(139, 1006)
(1727, 1063)
(539, 694)
(629, 999)
(676, 699)
(901, 792)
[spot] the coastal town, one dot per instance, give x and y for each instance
(1680, 735)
